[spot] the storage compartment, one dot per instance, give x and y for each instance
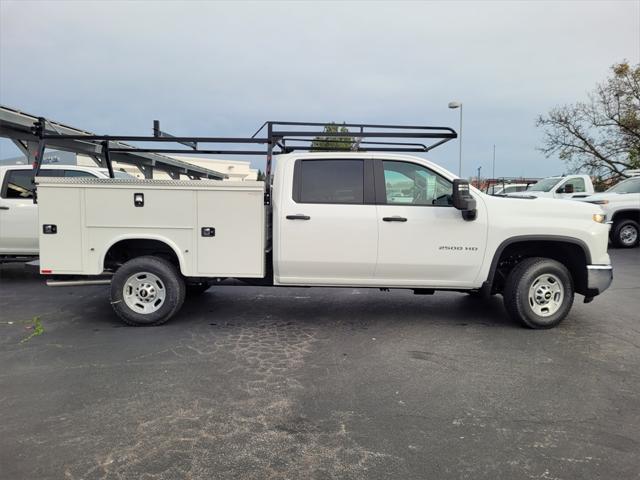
(215, 228)
(234, 243)
(60, 212)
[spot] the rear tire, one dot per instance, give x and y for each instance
(147, 291)
(626, 234)
(539, 292)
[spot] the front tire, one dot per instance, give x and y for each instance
(626, 234)
(539, 293)
(147, 291)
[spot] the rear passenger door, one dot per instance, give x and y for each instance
(328, 232)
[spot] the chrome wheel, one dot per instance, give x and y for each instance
(546, 295)
(628, 235)
(144, 293)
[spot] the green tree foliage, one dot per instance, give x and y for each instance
(602, 134)
(261, 176)
(334, 143)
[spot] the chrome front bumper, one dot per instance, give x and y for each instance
(599, 278)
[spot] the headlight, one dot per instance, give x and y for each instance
(600, 202)
(598, 217)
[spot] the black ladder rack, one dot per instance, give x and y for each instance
(278, 137)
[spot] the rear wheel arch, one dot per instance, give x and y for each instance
(573, 253)
(124, 249)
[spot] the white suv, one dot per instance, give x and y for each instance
(18, 213)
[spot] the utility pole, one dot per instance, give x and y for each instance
(478, 180)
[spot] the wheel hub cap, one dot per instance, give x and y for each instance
(628, 235)
(546, 295)
(144, 293)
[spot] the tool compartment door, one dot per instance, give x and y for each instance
(233, 245)
(60, 252)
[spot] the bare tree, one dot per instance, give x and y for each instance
(601, 135)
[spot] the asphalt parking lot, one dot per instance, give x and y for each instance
(260, 383)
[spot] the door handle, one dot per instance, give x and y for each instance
(298, 217)
(2, 207)
(395, 218)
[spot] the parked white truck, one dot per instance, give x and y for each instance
(18, 213)
(621, 206)
(565, 187)
(338, 219)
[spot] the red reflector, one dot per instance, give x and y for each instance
(46, 271)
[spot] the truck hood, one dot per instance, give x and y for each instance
(528, 193)
(526, 206)
(602, 196)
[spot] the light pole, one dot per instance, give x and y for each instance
(493, 171)
(454, 105)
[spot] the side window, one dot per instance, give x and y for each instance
(578, 184)
(329, 181)
(49, 172)
(412, 184)
(78, 174)
(18, 184)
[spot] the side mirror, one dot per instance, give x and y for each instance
(463, 200)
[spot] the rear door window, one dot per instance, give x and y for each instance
(329, 181)
(19, 183)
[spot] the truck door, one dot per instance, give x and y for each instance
(328, 232)
(18, 214)
(574, 186)
(423, 239)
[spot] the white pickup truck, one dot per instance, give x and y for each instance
(567, 187)
(621, 206)
(18, 213)
(337, 219)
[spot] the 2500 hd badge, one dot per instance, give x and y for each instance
(458, 248)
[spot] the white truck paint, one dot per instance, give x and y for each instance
(567, 187)
(18, 213)
(621, 206)
(337, 219)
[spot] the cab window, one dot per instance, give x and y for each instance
(329, 181)
(578, 184)
(412, 184)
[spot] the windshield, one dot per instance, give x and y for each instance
(630, 185)
(544, 185)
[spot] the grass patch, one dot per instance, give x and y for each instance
(38, 330)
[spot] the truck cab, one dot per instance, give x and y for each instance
(566, 187)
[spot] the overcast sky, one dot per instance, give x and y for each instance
(216, 68)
